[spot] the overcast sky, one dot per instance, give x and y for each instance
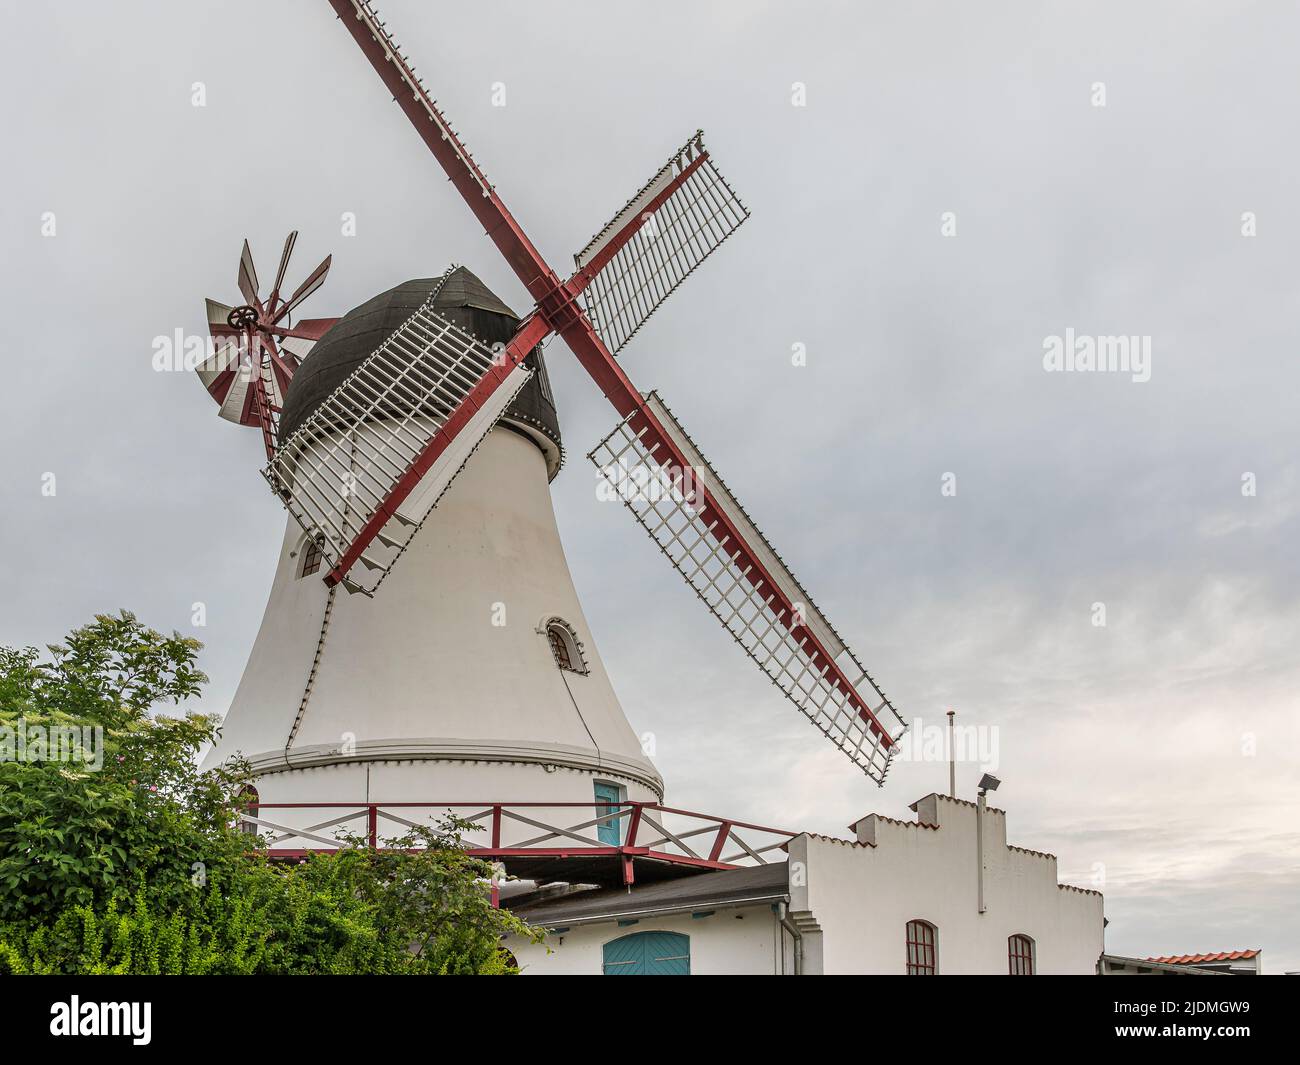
(1157, 755)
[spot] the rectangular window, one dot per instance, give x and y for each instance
(609, 831)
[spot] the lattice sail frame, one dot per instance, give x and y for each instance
(335, 471)
(674, 238)
(635, 282)
(661, 501)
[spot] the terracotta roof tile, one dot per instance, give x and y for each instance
(1026, 850)
(836, 839)
(906, 824)
(1082, 891)
(959, 802)
(1197, 959)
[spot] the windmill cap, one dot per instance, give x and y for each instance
(466, 302)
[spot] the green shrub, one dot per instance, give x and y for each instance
(136, 866)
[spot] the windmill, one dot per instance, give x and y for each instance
(362, 473)
(257, 347)
(418, 434)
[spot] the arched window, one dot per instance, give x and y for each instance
(566, 648)
(648, 954)
(922, 952)
(1020, 955)
(560, 647)
(312, 555)
(247, 797)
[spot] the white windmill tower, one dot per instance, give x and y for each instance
(420, 427)
(474, 673)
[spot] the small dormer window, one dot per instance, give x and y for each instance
(566, 648)
(312, 555)
(560, 647)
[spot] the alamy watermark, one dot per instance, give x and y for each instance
(971, 744)
(77, 1018)
(627, 483)
(1081, 353)
(182, 352)
(23, 742)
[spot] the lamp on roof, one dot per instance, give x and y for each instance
(988, 782)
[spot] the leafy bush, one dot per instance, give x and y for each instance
(216, 937)
(73, 835)
(136, 866)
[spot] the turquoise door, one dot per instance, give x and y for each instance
(609, 831)
(649, 954)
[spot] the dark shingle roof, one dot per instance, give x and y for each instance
(463, 299)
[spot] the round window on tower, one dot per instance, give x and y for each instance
(566, 648)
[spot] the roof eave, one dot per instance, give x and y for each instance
(659, 911)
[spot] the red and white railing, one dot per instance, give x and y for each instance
(615, 833)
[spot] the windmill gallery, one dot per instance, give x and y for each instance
(415, 437)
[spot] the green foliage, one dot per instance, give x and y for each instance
(72, 835)
(137, 866)
(423, 896)
(218, 936)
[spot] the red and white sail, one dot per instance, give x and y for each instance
(712, 542)
(256, 347)
(623, 275)
(676, 221)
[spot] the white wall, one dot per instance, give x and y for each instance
(862, 896)
(854, 900)
(744, 940)
(419, 694)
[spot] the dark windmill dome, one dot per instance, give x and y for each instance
(466, 302)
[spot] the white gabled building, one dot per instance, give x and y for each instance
(902, 897)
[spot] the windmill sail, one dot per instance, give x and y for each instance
(370, 463)
(797, 647)
(623, 275)
(664, 232)
(248, 277)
